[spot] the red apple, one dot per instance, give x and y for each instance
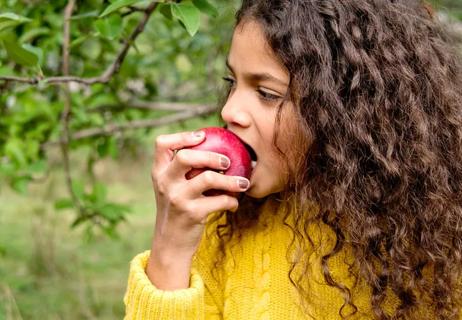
(225, 142)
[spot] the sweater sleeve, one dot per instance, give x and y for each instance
(144, 301)
(203, 300)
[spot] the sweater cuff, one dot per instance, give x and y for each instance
(144, 301)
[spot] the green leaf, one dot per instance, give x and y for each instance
(166, 10)
(183, 63)
(64, 203)
(80, 115)
(6, 71)
(91, 48)
(20, 184)
(188, 14)
(206, 7)
(35, 50)
(78, 188)
(19, 54)
(99, 192)
(114, 211)
(79, 40)
(100, 99)
(9, 20)
(33, 33)
(90, 14)
(38, 166)
(110, 28)
(118, 5)
(14, 150)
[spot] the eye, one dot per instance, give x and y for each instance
(230, 81)
(268, 96)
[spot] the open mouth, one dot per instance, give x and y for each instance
(253, 155)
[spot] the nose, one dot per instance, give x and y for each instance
(235, 111)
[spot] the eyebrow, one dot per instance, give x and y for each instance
(264, 76)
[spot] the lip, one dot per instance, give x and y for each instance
(253, 157)
(251, 150)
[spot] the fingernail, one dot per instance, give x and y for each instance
(243, 183)
(198, 134)
(224, 162)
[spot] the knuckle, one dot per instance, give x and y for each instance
(175, 199)
(232, 184)
(182, 156)
(209, 177)
(161, 187)
(186, 136)
(191, 208)
(230, 202)
(212, 158)
(160, 141)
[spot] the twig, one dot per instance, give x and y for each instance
(108, 73)
(66, 115)
(168, 106)
(146, 105)
(138, 124)
(132, 9)
(20, 79)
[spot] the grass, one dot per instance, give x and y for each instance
(49, 271)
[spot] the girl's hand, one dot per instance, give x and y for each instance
(182, 209)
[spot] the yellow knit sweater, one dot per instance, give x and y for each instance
(253, 284)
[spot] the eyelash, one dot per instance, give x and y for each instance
(229, 81)
(265, 96)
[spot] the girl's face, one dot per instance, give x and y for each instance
(258, 83)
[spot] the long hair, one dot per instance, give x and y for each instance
(378, 87)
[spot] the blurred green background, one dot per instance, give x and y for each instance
(64, 257)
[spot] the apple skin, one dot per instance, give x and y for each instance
(223, 141)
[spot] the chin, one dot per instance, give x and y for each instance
(255, 195)
(259, 193)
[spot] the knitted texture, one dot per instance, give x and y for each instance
(253, 283)
(144, 301)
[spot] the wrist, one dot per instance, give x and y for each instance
(173, 247)
(167, 257)
(169, 271)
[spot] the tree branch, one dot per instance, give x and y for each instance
(108, 73)
(20, 79)
(132, 9)
(138, 124)
(66, 114)
(146, 105)
(168, 106)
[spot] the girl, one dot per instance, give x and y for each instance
(353, 210)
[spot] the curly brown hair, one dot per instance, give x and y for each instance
(378, 89)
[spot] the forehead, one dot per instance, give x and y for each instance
(250, 51)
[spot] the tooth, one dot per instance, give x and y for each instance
(254, 163)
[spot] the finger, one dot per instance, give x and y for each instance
(167, 144)
(187, 159)
(214, 204)
(208, 180)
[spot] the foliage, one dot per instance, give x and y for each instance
(47, 272)
(178, 57)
